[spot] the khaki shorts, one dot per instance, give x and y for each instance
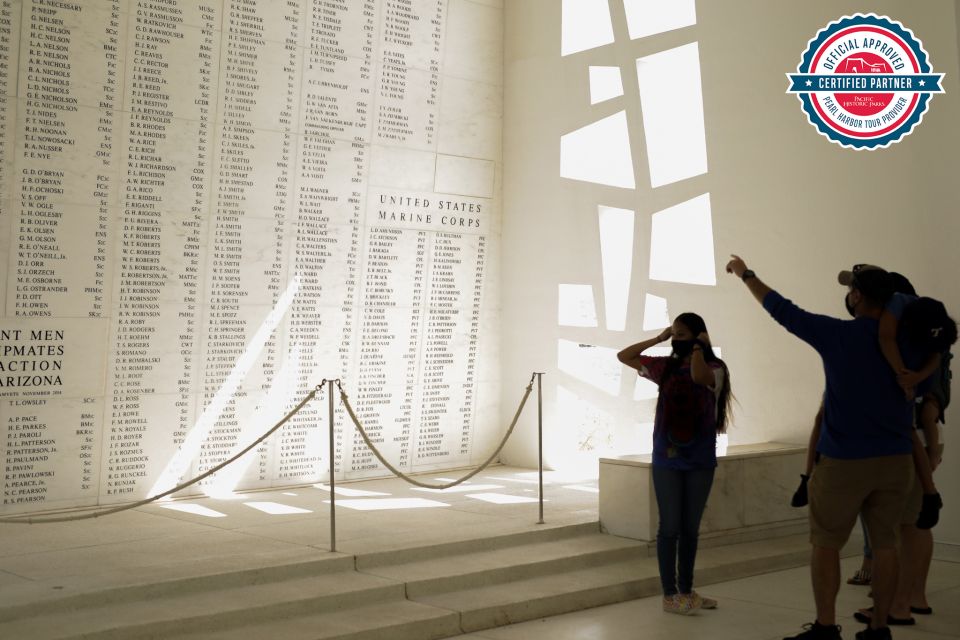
(841, 489)
(914, 500)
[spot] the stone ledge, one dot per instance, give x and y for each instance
(751, 493)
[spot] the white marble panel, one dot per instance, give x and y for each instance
(141, 440)
(725, 507)
(465, 176)
(406, 107)
(274, 21)
(488, 341)
(399, 168)
(345, 29)
(470, 119)
(247, 349)
(475, 52)
(412, 33)
(257, 93)
(254, 190)
(198, 169)
(51, 452)
(769, 482)
(70, 157)
(180, 75)
(192, 12)
(78, 79)
(336, 98)
(628, 505)
(4, 252)
(182, 185)
(428, 211)
(69, 351)
(492, 419)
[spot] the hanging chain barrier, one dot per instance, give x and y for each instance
(87, 515)
(427, 485)
(105, 512)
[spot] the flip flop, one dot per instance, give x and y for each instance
(921, 611)
(860, 578)
(864, 617)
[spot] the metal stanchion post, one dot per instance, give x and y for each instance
(333, 495)
(540, 438)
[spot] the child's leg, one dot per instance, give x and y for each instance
(922, 462)
(929, 414)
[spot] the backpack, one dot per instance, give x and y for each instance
(941, 382)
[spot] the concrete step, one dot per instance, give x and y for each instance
(492, 605)
(418, 593)
(505, 564)
(204, 579)
(207, 611)
(393, 620)
(543, 533)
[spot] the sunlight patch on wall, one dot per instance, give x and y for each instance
(672, 103)
(596, 366)
(649, 17)
(585, 24)
(592, 428)
(644, 443)
(575, 306)
(605, 84)
(616, 255)
(190, 448)
(645, 389)
(276, 402)
(599, 153)
(655, 313)
(681, 243)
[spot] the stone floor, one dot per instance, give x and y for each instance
(182, 538)
(207, 535)
(765, 607)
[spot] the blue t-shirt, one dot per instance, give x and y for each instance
(685, 424)
(865, 413)
(898, 302)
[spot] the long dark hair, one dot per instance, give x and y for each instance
(696, 325)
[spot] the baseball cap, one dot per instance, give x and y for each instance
(846, 278)
(873, 281)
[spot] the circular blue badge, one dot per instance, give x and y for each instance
(864, 81)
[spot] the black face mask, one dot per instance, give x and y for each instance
(682, 348)
(851, 309)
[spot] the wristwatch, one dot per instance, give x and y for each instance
(748, 274)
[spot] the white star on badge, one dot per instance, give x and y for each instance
(809, 83)
(923, 82)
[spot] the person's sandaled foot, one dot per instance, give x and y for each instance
(861, 577)
(866, 615)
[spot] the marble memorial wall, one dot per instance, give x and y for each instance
(208, 206)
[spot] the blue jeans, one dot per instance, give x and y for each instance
(681, 499)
